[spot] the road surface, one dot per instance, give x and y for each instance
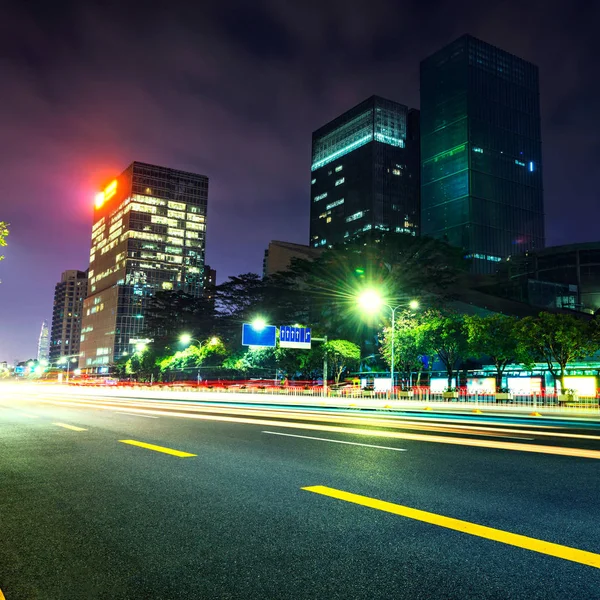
(110, 498)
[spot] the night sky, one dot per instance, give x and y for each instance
(233, 90)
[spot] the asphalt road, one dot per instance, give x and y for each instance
(87, 512)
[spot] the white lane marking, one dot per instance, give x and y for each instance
(320, 439)
(134, 414)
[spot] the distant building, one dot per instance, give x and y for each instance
(209, 283)
(209, 279)
(365, 173)
(148, 235)
(481, 152)
(574, 265)
(67, 310)
(279, 256)
(43, 342)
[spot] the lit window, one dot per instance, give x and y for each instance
(339, 168)
(176, 205)
(340, 181)
(478, 150)
(320, 197)
(355, 216)
(520, 163)
(313, 181)
(334, 204)
(328, 220)
(396, 172)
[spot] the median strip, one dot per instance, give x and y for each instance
(73, 427)
(162, 449)
(497, 535)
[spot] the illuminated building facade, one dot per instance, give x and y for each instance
(365, 173)
(481, 152)
(43, 342)
(67, 312)
(148, 235)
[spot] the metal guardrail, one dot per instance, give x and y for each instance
(416, 396)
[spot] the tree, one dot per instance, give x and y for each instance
(496, 337)
(408, 347)
(559, 339)
(342, 355)
(168, 314)
(443, 334)
(3, 235)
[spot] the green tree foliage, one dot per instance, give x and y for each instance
(3, 235)
(342, 355)
(495, 336)
(559, 339)
(192, 356)
(443, 335)
(409, 349)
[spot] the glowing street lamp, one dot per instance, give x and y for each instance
(185, 338)
(141, 346)
(371, 302)
(67, 359)
(259, 323)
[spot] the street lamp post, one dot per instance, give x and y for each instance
(186, 338)
(68, 359)
(371, 301)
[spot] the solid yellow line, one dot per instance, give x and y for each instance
(2, 596)
(497, 535)
(73, 427)
(158, 448)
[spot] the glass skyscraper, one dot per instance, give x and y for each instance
(365, 173)
(148, 235)
(481, 152)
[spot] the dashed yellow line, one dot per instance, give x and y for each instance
(497, 535)
(73, 427)
(162, 449)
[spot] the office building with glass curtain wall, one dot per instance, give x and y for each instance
(148, 235)
(481, 152)
(365, 173)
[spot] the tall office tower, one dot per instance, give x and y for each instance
(43, 342)
(481, 152)
(69, 295)
(148, 235)
(365, 173)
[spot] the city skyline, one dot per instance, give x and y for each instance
(72, 132)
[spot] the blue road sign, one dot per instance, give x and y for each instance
(264, 336)
(294, 337)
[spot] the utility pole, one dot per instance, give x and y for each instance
(324, 340)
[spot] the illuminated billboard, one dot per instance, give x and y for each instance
(109, 191)
(584, 386)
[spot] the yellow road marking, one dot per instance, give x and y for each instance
(497, 535)
(158, 448)
(2, 596)
(73, 427)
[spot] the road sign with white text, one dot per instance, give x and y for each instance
(294, 337)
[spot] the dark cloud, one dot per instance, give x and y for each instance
(233, 90)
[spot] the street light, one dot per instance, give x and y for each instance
(371, 302)
(186, 338)
(68, 360)
(259, 324)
